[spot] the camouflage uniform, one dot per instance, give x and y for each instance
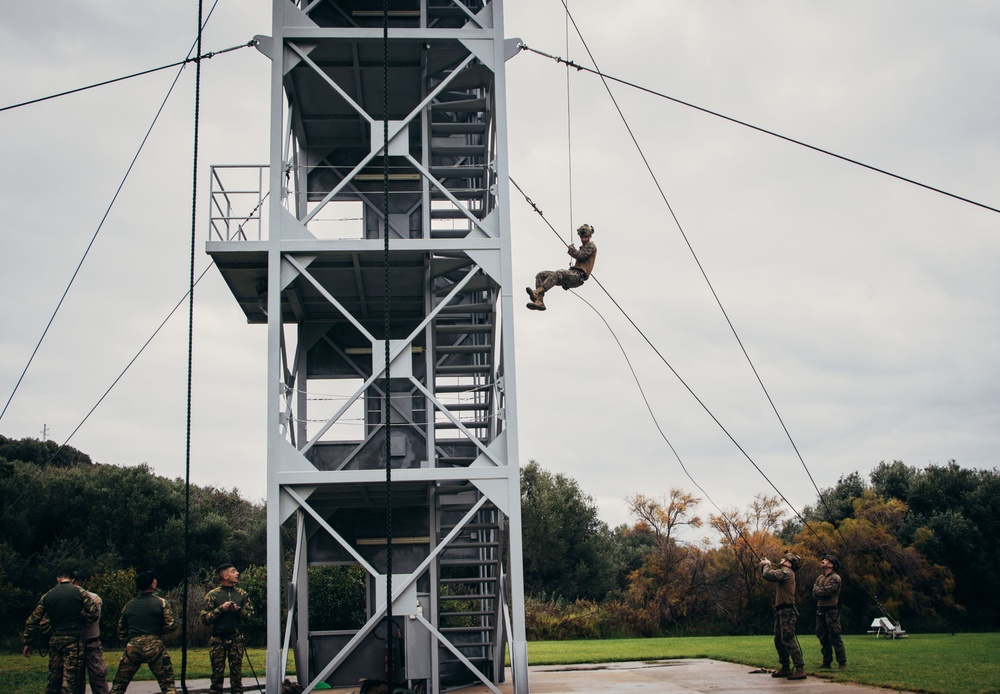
(93, 653)
(545, 280)
(143, 622)
(827, 591)
(785, 616)
(66, 609)
(227, 642)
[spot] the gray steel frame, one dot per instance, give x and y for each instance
(326, 137)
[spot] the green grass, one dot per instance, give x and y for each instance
(938, 663)
(20, 675)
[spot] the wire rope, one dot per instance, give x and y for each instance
(701, 268)
(100, 226)
(43, 466)
(686, 386)
(765, 131)
(200, 57)
(190, 357)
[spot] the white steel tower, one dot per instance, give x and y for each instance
(300, 242)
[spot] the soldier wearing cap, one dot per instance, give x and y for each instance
(785, 615)
(226, 606)
(144, 621)
(826, 590)
(585, 258)
(65, 611)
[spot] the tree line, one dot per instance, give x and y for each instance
(917, 542)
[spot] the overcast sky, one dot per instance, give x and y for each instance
(869, 306)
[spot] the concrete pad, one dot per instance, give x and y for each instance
(686, 676)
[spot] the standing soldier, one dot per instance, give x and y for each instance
(785, 615)
(93, 653)
(826, 590)
(68, 610)
(144, 621)
(226, 606)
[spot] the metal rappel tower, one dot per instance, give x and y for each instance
(300, 242)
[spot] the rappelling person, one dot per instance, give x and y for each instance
(567, 279)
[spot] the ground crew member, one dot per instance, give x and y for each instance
(826, 590)
(226, 606)
(93, 652)
(785, 615)
(585, 258)
(144, 621)
(67, 609)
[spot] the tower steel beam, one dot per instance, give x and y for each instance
(300, 242)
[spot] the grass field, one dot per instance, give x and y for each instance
(939, 663)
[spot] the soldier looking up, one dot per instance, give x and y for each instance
(826, 590)
(144, 621)
(785, 614)
(226, 606)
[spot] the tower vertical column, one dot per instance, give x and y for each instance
(316, 279)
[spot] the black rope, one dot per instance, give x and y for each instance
(390, 657)
(190, 360)
(759, 129)
(198, 59)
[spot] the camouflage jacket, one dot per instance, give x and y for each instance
(226, 621)
(785, 578)
(585, 257)
(826, 590)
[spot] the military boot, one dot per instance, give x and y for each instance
(782, 672)
(798, 674)
(827, 665)
(841, 666)
(532, 294)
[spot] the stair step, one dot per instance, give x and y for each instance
(472, 424)
(489, 596)
(459, 194)
(463, 349)
(463, 128)
(489, 579)
(461, 105)
(466, 172)
(467, 308)
(443, 150)
(463, 370)
(462, 328)
(449, 233)
(468, 562)
(467, 406)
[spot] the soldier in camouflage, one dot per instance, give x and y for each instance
(66, 609)
(93, 652)
(785, 615)
(144, 621)
(226, 606)
(826, 590)
(585, 258)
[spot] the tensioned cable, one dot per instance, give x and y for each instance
(697, 261)
(684, 383)
(100, 225)
(569, 136)
(44, 466)
(200, 57)
(190, 357)
(663, 435)
(759, 129)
